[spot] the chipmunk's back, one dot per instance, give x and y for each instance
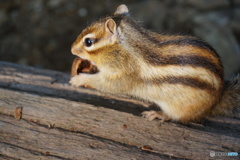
(181, 74)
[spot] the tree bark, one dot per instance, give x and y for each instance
(62, 122)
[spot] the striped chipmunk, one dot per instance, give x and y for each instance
(180, 74)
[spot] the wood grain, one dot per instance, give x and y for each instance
(63, 122)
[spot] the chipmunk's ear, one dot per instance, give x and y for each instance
(111, 30)
(122, 9)
(110, 26)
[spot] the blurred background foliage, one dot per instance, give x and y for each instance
(39, 33)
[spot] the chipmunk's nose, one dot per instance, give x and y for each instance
(76, 51)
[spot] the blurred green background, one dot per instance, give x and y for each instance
(39, 33)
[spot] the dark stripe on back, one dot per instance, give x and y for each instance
(190, 60)
(188, 81)
(181, 60)
(190, 41)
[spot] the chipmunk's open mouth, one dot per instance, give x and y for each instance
(83, 66)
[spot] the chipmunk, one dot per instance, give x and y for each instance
(181, 74)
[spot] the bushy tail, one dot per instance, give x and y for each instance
(230, 104)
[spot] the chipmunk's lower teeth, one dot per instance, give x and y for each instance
(83, 66)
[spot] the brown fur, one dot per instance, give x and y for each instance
(181, 74)
(229, 105)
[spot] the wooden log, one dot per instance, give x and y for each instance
(53, 108)
(28, 140)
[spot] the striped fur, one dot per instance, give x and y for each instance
(173, 61)
(181, 74)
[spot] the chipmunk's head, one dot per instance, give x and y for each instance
(96, 41)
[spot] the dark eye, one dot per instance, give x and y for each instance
(88, 42)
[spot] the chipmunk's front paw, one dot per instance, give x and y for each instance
(77, 81)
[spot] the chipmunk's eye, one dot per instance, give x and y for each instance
(88, 42)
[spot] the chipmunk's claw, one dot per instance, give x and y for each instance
(151, 115)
